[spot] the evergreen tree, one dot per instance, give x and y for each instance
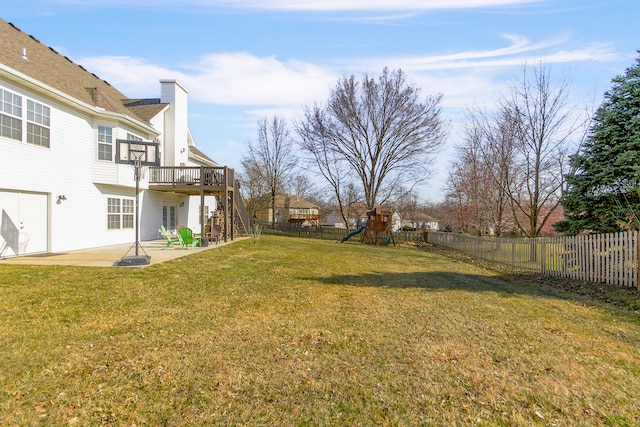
(603, 193)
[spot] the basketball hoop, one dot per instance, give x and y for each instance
(138, 154)
(130, 151)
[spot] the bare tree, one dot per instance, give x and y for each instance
(334, 169)
(509, 170)
(522, 146)
(254, 186)
(498, 152)
(542, 126)
(490, 140)
(469, 187)
(376, 131)
(303, 187)
(253, 183)
(271, 158)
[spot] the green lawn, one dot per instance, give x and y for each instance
(305, 332)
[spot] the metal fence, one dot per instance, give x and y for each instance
(604, 258)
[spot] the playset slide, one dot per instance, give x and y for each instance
(350, 235)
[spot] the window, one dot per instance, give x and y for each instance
(11, 120)
(132, 137)
(38, 123)
(10, 115)
(105, 143)
(120, 213)
(127, 213)
(113, 214)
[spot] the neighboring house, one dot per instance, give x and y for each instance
(355, 213)
(62, 186)
(419, 221)
(288, 209)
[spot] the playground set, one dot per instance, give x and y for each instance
(378, 230)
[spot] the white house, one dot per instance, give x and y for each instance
(61, 185)
(419, 221)
(355, 213)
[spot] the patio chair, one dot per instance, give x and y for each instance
(171, 238)
(186, 237)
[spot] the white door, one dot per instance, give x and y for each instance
(33, 222)
(23, 223)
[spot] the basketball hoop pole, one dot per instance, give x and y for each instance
(137, 259)
(137, 178)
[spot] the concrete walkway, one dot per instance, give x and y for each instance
(108, 256)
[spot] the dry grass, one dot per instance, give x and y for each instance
(302, 332)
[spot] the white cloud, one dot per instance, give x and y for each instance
(245, 79)
(134, 77)
(270, 84)
(222, 78)
(519, 51)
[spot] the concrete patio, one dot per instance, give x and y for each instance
(108, 256)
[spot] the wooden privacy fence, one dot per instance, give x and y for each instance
(606, 258)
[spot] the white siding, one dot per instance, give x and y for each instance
(176, 123)
(193, 211)
(70, 167)
(158, 123)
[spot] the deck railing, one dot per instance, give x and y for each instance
(304, 217)
(177, 175)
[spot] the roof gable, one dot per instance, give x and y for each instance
(417, 216)
(293, 202)
(146, 109)
(289, 200)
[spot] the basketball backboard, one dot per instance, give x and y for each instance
(128, 151)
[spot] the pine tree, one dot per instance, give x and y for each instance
(603, 193)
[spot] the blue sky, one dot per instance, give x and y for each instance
(242, 60)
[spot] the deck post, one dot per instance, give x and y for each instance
(204, 240)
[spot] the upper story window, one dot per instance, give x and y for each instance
(10, 115)
(38, 119)
(105, 143)
(132, 137)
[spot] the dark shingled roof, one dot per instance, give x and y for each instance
(26, 54)
(146, 109)
(294, 201)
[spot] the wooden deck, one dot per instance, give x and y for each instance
(192, 179)
(204, 181)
